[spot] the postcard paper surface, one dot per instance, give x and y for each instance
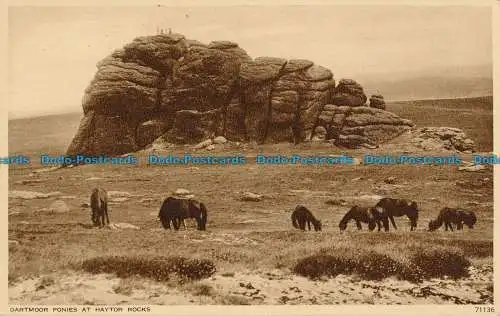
(220, 158)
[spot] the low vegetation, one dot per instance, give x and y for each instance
(157, 268)
(415, 265)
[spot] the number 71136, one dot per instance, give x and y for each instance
(484, 309)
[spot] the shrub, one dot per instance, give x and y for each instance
(157, 268)
(437, 262)
(417, 265)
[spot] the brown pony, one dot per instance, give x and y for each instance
(399, 207)
(453, 216)
(176, 210)
(302, 216)
(99, 205)
(374, 216)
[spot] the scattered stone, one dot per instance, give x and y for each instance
(390, 180)
(29, 195)
(336, 202)
(210, 147)
(183, 194)
(220, 140)
(122, 226)
(85, 205)
(117, 194)
(68, 197)
(251, 197)
(203, 144)
(93, 179)
(27, 181)
(472, 168)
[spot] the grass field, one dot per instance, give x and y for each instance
(258, 257)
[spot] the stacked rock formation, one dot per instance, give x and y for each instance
(377, 101)
(351, 123)
(186, 91)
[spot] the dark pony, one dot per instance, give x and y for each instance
(400, 207)
(99, 205)
(302, 216)
(453, 216)
(176, 210)
(374, 216)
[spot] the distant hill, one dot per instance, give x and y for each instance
(440, 83)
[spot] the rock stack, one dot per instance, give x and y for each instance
(377, 101)
(185, 91)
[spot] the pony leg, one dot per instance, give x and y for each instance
(359, 225)
(385, 221)
(393, 222)
(106, 212)
(379, 225)
(302, 225)
(107, 217)
(309, 225)
(176, 223)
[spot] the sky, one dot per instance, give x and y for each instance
(53, 51)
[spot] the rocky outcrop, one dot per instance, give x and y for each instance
(439, 138)
(185, 91)
(353, 126)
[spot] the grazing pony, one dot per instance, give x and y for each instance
(302, 216)
(99, 205)
(453, 216)
(399, 207)
(371, 215)
(176, 210)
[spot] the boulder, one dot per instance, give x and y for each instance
(349, 93)
(377, 101)
(448, 138)
(251, 197)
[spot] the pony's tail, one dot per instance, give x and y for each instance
(204, 216)
(294, 220)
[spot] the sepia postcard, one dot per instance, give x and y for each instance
(253, 158)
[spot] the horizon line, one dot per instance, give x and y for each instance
(387, 101)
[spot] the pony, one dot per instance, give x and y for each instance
(302, 216)
(399, 207)
(450, 216)
(374, 216)
(99, 205)
(176, 210)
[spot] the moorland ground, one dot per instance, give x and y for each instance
(252, 244)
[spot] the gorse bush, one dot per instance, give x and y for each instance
(157, 268)
(441, 262)
(420, 264)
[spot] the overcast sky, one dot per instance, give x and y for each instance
(53, 50)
